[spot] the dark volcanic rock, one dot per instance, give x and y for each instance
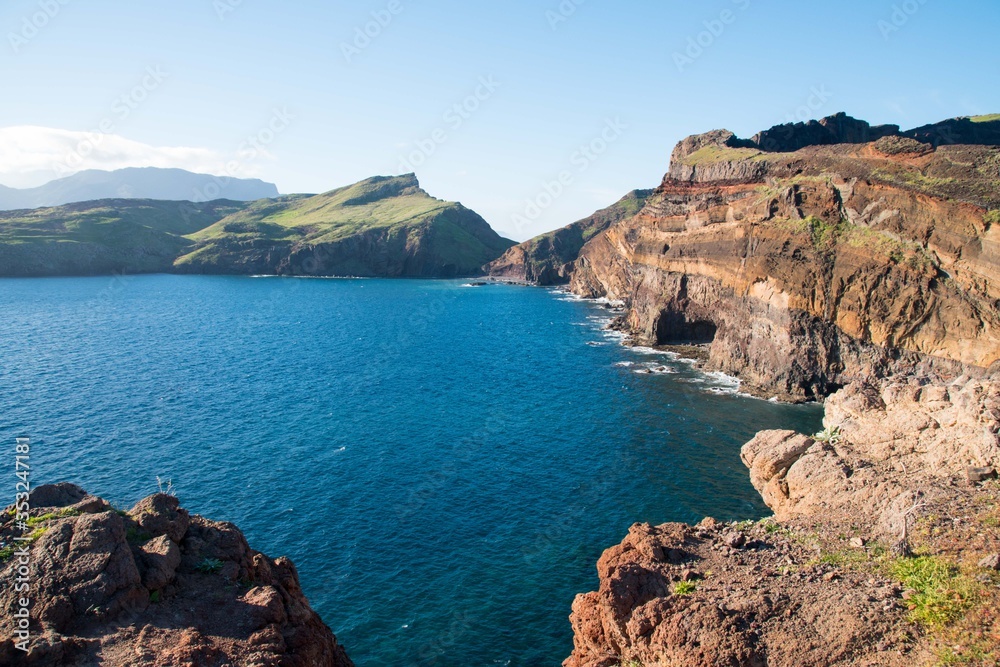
(837, 129)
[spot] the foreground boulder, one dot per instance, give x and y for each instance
(153, 587)
(680, 596)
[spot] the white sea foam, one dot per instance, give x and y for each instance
(641, 349)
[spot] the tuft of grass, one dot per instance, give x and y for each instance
(771, 526)
(685, 588)
(136, 536)
(44, 518)
(992, 217)
(942, 593)
(154, 597)
(831, 435)
(210, 566)
(630, 663)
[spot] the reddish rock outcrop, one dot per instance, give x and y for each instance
(549, 259)
(810, 270)
(862, 268)
(812, 587)
(681, 596)
(153, 587)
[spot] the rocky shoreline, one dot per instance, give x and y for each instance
(837, 262)
(903, 479)
(151, 587)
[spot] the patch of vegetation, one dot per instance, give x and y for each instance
(914, 179)
(154, 597)
(941, 592)
(210, 566)
(685, 588)
(713, 154)
(137, 536)
(852, 559)
(771, 526)
(992, 217)
(989, 118)
(831, 435)
(630, 663)
(44, 518)
(826, 237)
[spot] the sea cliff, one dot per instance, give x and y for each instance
(826, 261)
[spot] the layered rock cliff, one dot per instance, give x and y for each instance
(823, 260)
(150, 587)
(805, 271)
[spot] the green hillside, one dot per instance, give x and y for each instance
(383, 226)
(102, 237)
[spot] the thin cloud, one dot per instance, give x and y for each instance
(40, 154)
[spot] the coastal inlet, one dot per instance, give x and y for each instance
(444, 464)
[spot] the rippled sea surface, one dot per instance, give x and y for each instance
(445, 464)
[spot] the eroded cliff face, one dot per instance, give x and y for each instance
(863, 270)
(152, 587)
(806, 271)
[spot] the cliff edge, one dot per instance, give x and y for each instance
(835, 261)
(151, 587)
(884, 549)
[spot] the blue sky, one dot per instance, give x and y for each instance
(199, 77)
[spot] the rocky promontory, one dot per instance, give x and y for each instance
(806, 271)
(832, 261)
(884, 548)
(150, 587)
(549, 259)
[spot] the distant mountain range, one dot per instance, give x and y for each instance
(136, 183)
(380, 227)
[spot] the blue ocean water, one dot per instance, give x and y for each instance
(445, 464)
